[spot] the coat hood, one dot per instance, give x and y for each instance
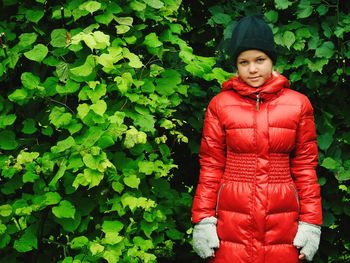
(271, 88)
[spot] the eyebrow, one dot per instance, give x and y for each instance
(243, 58)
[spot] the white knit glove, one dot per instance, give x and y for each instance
(205, 238)
(308, 239)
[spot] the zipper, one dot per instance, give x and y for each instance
(296, 196)
(217, 200)
(257, 104)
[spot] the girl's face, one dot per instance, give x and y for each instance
(254, 67)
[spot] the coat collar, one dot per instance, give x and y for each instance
(269, 90)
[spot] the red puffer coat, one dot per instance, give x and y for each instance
(258, 157)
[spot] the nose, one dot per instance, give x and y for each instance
(252, 68)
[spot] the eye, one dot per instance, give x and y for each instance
(243, 62)
(261, 60)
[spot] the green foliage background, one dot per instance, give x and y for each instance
(102, 105)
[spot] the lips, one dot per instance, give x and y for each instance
(254, 78)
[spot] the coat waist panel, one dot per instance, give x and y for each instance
(241, 167)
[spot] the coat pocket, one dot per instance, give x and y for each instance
(296, 195)
(218, 199)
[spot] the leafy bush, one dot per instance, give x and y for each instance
(102, 106)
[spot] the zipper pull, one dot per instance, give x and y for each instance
(257, 101)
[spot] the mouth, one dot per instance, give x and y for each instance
(254, 78)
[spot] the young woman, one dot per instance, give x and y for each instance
(258, 198)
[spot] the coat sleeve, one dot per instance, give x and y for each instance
(303, 167)
(212, 164)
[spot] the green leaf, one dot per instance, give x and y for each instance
(304, 10)
(59, 37)
(59, 117)
(282, 4)
(135, 61)
(7, 120)
(60, 173)
(137, 6)
(19, 96)
(30, 176)
(324, 140)
(70, 87)
(29, 126)
(157, 4)
(271, 16)
(124, 20)
(63, 145)
(152, 40)
(105, 18)
(52, 198)
(86, 69)
(38, 53)
(221, 19)
(62, 71)
(34, 15)
(8, 140)
(96, 248)
(330, 163)
(5, 210)
(28, 241)
(99, 107)
(27, 39)
(90, 6)
(79, 242)
(326, 50)
(65, 209)
(29, 80)
(132, 181)
(122, 29)
(288, 39)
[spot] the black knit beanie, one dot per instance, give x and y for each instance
(252, 32)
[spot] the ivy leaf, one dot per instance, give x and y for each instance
(288, 39)
(70, 87)
(90, 6)
(7, 120)
(105, 18)
(27, 39)
(152, 40)
(96, 248)
(59, 117)
(135, 61)
(29, 80)
(19, 96)
(28, 241)
(304, 10)
(59, 37)
(5, 210)
(85, 69)
(157, 4)
(99, 107)
(132, 181)
(128, 20)
(271, 16)
(122, 29)
(330, 163)
(38, 53)
(29, 126)
(282, 4)
(63, 145)
(324, 140)
(221, 19)
(111, 230)
(65, 209)
(62, 71)
(79, 242)
(34, 15)
(8, 140)
(326, 50)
